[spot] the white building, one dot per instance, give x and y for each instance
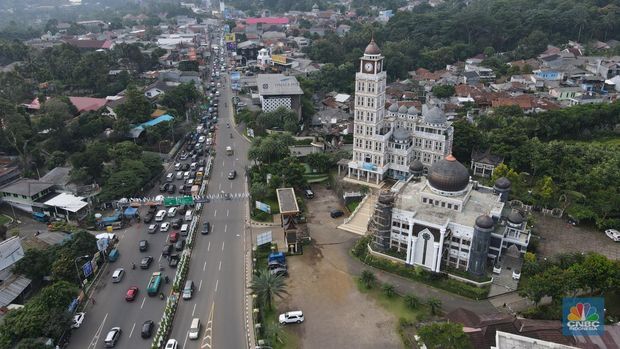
(278, 90)
(386, 142)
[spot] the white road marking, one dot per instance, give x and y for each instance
(208, 247)
(220, 187)
(225, 229)
(193, 311)
(186, 336)
(200, 285)
(93, 342)
(207, 338)
(216, 283)
(220, 268)
(214, 213)
(204, 267)
(227, 212)
(159, 260)
(222, 174)
(132, 327)
(223, 244)
(143, 300)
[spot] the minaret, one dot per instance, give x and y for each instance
(369, 146)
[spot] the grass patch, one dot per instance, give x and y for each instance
(351, 206)
(261, 216)
(307, 167)
(4, 219)
(316, 178)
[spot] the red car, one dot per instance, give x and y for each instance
(132, 292)
(173, 237)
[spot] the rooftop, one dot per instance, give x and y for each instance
(27, 187)
(267, 20)
(67, 202)
(287, 201)
(278, 84)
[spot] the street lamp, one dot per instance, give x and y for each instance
(78, 269)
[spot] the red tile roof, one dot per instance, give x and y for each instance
(90, 44)
(267, 20)
(83, 104)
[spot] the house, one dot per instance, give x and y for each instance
(257, 25)
(12, 286)
(565, 93)
(84, 104)
(158, 88)
(26, 194)
(342, 30)
(484, 163)
(67, 206)
(605, 68)
(90, 45)
(549, 74)
(301, 41)
(278, 90)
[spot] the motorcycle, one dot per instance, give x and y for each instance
(133, 265)
(161, 295)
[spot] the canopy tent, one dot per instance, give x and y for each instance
(131, 212)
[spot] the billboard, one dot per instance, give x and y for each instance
(231, 46)
(235, 76)
(278, 59)
(230, 37)
(87, 269)
(264, 238)
(263, 206)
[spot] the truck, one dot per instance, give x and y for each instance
(154, 283)
(229, 150)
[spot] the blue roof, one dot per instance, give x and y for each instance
(163, 118)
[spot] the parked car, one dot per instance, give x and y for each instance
(132, 293)
(336, 213)
(147, 329)
(232, 174)
(145, 263)
(173, 237)
(613, 234)
(278, 271)
(78, 319)
(153, 228)
(291, 317)
(143, 245)
(117, 275)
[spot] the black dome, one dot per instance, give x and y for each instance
(502, 183)
(484, 222)
(448, 175)
(416, 166)
(515, 217)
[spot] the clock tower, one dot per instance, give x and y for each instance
(369, 132)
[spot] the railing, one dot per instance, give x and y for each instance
(348, 219)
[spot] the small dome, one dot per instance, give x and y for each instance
(402, 109)
(502, 183)
(515, 217)
(393, 108)
(434, 115)
(416, 166)
(372, 48)
(448, 175)
(412, 110)
(484, 222)
(401, 134)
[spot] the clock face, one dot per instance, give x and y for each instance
(368, 67)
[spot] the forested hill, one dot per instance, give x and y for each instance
(433, 37)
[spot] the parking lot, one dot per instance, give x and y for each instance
(336, 314)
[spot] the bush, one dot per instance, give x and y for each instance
(412, 301)
(368, 279)
(388, 290)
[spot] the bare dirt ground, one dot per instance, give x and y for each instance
(557, 236)
(336, 314)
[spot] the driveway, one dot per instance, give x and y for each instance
(336, 314)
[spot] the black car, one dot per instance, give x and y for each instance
(179, 245)
(172, 188)
(163, 187)
(173, 260)
(153, 209)
(166, 250)
(232, 174)
(143, 245)
(148, 218)
(185, 167)
(336, 213)
(147, 328)
(176, 223)
(145, 263)
(206, 228)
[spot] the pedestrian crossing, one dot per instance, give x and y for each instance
(221, 197)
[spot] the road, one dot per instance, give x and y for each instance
(217, 263)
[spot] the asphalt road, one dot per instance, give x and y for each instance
(217, 263)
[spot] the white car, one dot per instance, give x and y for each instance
(164, 227)
(516, 274)
(78, 318)
(291, 317)
(172, 344)
(613, 234)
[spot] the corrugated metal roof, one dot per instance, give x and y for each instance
(10, 252)
(12, 288)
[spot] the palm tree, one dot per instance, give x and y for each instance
(266, 286)
(368, 278)
(411, 301)
(435, 305)
(275, 332)
(388, 290)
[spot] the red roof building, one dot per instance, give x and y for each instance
(267, 20)
(83, 104)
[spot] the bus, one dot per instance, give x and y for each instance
(154, 283)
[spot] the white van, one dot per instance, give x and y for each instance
(188, 290)
(160, 216)
(193, 166)
(172, 211)
(184, 229)
(188, 215)
(169, 177)
(201, 139)
(194, 328)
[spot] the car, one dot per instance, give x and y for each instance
(172, 211)
(179, 175)
(206, 228)
(112, 337)
(143, 245)
(78, 318)
(153, 228)
(276, 265)
(164, 227)
(147, 329)
(179, 245)
(145, 262)
(278, 271)
(516, 274)
(185, 166)
(173, 260)
(232, 174)
(172, 188)
(117, 275)
(183, 156)
(291, 317)
(336, 213)
(176, 223)
(167, 250)
(173, 237)
(148, 218)
(613, 234)
(131, 294)
(177, 166)
(163, 187)
(172, 344)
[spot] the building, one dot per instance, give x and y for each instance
(386, 142)
(25, 194)
(278, 90)
(12, 286)
(447, 221)
(90, 45)
(484, 163)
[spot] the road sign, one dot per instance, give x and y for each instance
(87, 268)
(178, 201)
(263, 238)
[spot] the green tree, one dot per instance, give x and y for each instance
(388, 290)
(597, 273)
(545, 190)
(321, 162)
(443, 91)
(412, 301)
(123, 183)
(136, 108)
(267, 286)
(368, 279)
(35, 264)
(444, 335)
(434, 304)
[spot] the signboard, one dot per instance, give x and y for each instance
(231, 46)
(263, 206)
(263, 238)
(87, 269)
(230, 37)
(250, 132)
(234, 76)
(226, 28)
(278, 59)
(178, 201)
(583, 316)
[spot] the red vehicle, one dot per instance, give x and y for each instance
(132, 293)
(173, 237)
